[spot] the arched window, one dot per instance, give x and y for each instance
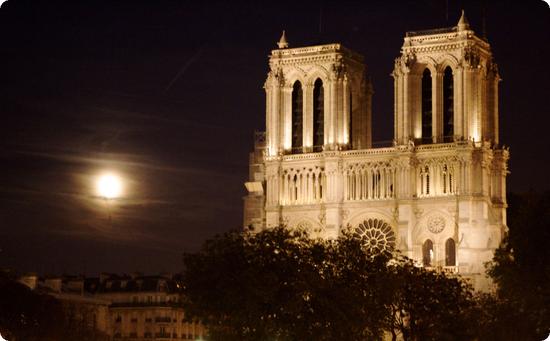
(427, 182)
(297, 117)
(448, 105)
(427, 252)
(427, 106)
(350, 123)
(450, 252)
(318, 116)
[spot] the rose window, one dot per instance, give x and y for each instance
(436, 224)
(377, 234)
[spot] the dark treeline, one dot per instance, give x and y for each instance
(283, 285)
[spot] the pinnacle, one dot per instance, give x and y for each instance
(283, 44)
(463, 23)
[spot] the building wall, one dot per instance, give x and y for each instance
(450, 190)
(123, 307)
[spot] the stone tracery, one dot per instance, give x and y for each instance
(377, 234)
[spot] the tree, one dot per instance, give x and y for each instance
(429, 305)
(521, 270)
(284, 285)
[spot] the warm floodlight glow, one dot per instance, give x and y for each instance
(109, 186)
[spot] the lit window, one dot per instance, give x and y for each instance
(427, 253)
(450, 252)
(426, 106)
(297, 117)
(318, 116)
(448, 105)
(377, 235)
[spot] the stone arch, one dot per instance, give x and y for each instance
(445, 61)
(437, 232)
(437, 226)
(294, 75)
(422, 63)
(355, 219)
(308, 224)
(363, 217)
(317, 72)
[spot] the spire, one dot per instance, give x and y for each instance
(283, 44)
(463, 23)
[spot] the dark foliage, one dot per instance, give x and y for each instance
(521, 270)
(283, 285)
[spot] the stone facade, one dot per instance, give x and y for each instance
(127, 307)
(438, 194)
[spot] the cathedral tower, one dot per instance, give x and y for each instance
(446, 87)
(318, 98)
(438, 194)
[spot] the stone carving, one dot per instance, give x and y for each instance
(409, 59)
(471, 57)
(436, 223)
(322, 217)
(377, 235)
(284, 221)
(304, 225)
(418, 212)
(344, 214)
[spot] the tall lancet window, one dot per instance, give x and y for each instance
(450, 252)
(426, 106)
(350, 122)
(427, 253)
(448, 104)
(297, 117)
(318, 116)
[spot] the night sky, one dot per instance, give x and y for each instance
(168, 95)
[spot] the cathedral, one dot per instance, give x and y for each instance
(437, 194)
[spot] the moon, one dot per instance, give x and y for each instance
(109, 186)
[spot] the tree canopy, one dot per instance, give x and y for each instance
(283, 285)
(521, 270)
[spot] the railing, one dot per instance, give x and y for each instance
(450, 270)
(430, 32)
(382, 144)
(365, 181)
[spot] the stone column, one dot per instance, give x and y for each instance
(346, 112)
(286, 118)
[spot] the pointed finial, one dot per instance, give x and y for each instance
(283, 44)
(463, 23)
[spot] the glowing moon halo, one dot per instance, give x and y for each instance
(109, 186)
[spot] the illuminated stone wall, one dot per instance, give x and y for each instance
(440, 200)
